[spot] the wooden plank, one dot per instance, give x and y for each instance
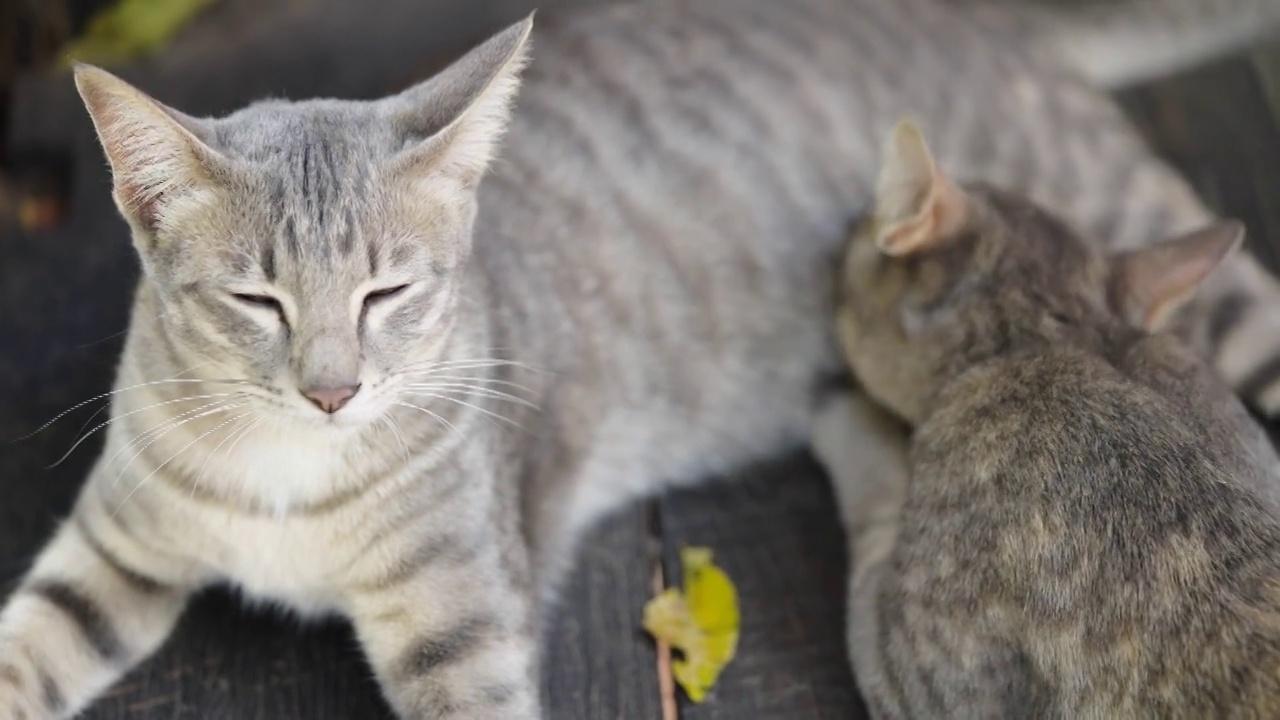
(1215, 124)
(227, 662)
(1266, 63)
(774, 529)
(599, 663)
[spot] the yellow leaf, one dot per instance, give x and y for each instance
(130, 29)
(702, 622)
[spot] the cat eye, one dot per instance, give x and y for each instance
(384, 294)
(265, 302)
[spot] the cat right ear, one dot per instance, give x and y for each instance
(155, 152)
(1150, 283)
(917, 207)
(452, 123)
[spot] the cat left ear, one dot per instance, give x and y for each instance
(1150, 283)
(917, 207)
(452, 123)
(157, 154)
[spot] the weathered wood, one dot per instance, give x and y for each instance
(64, 295)
(1217, 126)
(599, 664)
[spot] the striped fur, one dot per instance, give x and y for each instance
(645, 269)
(1090, 526)
(1120, 44)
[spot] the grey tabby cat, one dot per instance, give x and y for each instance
(1090, 527)
(360, 381)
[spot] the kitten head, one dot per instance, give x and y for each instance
(313, 248)
(941, 276)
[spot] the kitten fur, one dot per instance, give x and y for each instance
(1090, 526)
(637, 294)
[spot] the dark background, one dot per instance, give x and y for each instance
(66, 279)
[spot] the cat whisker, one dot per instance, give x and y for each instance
(471, 363)
(238, 433)
(164, 424)
(171, 458)
(472, 378)
(395, 430)
(474, 389)
(103, 396)
(107, 405)
(438, 418)
(473, 406)
(164, 431)
(104, 424)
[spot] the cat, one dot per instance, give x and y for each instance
(361, 380)
(1090, 526)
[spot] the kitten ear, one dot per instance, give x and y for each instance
(917, 207)
(156, 153)
(452, 123)
(1150, 283)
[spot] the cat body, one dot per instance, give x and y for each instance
(1090, 528)
(360, 380)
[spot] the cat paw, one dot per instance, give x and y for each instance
(22, 698)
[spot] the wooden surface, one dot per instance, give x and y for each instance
(64, 298)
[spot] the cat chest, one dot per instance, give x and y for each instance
(290, 561)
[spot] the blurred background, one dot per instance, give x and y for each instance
(66, 276)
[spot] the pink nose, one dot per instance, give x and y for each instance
(331, 400)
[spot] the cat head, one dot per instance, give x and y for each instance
(941, 274)
(314, 249)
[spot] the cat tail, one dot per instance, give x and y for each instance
(1119, 43)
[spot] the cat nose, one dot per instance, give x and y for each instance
(331, 400)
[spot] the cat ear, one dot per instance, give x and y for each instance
(917, 207)
(156, 153)
(1150, 283)
(453, 122)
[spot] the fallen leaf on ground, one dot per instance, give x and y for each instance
(701, 622)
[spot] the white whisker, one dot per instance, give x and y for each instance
(105, 423)
(477, 408)
(471, 363)
(107, 406)
(164, 424)
(238, 433)
(180, 450)
(472, 378)
(166, 431)
(476, 390)
(82, 403)
(395, 430)
(431, 413)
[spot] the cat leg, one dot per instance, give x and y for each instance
(451, 635)
(1235, 321)
(864, 451)
(95, 603)
(956, 672)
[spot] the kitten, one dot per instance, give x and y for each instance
(310, 405)
(1090, 526)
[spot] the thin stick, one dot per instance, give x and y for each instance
(666, 682)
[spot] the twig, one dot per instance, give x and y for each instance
(666, 682)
